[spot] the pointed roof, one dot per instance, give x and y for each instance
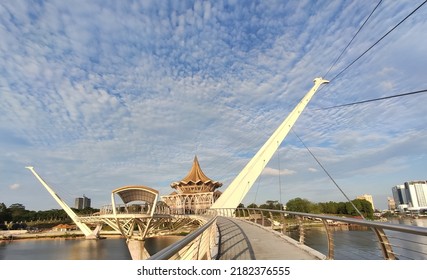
(196, 177)
(196, 174)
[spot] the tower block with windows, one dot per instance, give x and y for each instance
(196, 191)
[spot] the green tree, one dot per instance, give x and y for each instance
(272, 204)
(5, 214)
(341, 208)
(364, 207)
(328, 207)
(300, 205)
(17, 210)
(252, 205)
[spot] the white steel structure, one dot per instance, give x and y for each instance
(240, 186)
(82, 226)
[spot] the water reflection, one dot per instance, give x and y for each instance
(155, 244)
(409, 246)
(350, 244)
(64, 249)
(77, 249)
(359, 243)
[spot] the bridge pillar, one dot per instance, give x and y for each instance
(137, 249)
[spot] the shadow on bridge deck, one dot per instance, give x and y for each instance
(242, 240)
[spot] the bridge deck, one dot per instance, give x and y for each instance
(241, 240)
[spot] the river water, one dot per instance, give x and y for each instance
(362, 243)
(77, 249)
(350, 244)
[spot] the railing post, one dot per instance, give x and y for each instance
(283, 222)
(384, 244)
(301, 230)
(330, 238)
(254, 216)
(262, 218)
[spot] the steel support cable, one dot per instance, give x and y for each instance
(355, 35)
(375, 99)
(259, 184)
(329, 175)
(406, 240)
(405, 249)
(256, 193)
(280, 180)
(379, 40)
(64, 194)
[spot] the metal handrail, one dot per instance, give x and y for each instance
(258, 215)
(174, 249)
(368, 223)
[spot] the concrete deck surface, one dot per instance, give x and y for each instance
(242, 240)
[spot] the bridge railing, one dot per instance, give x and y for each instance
(377, 240)
(134, 209)
(201, 244)
(392, 241)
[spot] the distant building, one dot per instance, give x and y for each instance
(391, 204)
(369, 198)
(195, 192)
(82, 202)
(400, 198)
(411, 196)
(63, 227)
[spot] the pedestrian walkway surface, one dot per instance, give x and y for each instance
(242, 240)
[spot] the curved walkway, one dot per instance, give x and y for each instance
(242, 240)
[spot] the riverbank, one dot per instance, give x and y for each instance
(9, 235)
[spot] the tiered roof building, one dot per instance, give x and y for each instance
(194, 192)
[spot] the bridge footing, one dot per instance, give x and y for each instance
(137, 249)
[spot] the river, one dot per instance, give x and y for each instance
(362, 243)
(349, 245)
(76, 249)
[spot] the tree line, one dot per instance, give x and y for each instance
(334, 208)
(17, 214)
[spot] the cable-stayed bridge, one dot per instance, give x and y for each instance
(227, 232)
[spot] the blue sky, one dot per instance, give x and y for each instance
(101, 94)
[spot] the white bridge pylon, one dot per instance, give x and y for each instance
(239, 187)
(83, 227)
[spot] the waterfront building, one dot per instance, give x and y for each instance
(82, 202)
(64, 227)
(196, 191)
(411, 196)
(391, 204)
(369, 198)
(418, 193)
(400, 198)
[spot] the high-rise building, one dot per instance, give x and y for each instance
(418, 193)
(82, 202)
(400, 197)
(369, 198)
(411, 196)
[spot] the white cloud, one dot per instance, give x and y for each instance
(98, 97)
(14, 186)
(277, 172)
